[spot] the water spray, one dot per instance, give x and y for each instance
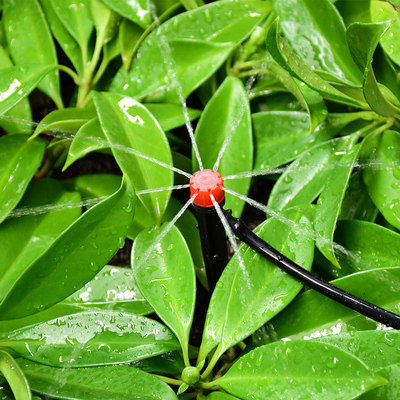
(207, 182)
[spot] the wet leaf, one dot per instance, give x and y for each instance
(64, 123)
(389, 391)
(382, 173)
(75, 16)
(137, 11)
(287, 58)
(164, 272)
(363, 39)
(224, 138)
(105, 20)
(330, 200)
(382, 11)
(17, 82)
(129, 125)
(43, 213)
(14, 376)
(129, 34)
(112, 289)
(90, 137)
(378, 286)
(280, 136)
(364, 245)
(305, 178)
(116, 382)
(19, 118)
(91, 338)
(64, 38)
(248, 295)
(284, 370)
(36, 50)
(19, 160)
(318, 36)
(169, 363)
(74, 258)
(199, 39)
(172, 116)
(220, 396)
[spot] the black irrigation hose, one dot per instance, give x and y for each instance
(327, 289)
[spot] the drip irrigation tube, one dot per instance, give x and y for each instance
(327, 289)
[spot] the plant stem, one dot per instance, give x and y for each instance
(70, 72)
(171, 381)
(251, 72)
(189, 4)
(213, 361)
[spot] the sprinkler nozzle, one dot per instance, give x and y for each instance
(206, 182)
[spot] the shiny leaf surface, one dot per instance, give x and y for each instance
(77, 254)
(112, 289)
(164, 272)
(363, 39)
(19, 118)
(282, 370)
(378, 286)
(14, 376)
(200, 38)
(318, 35)
(129, 34)
(25, 237)
(382, 173)
(228, 113)
(64, 38)
(75, 16)
(19, 160)
(247, 296)
(137, 11)
(17, 82)
(105, 20)
(129, 125)
(37, 49)
(116, 382)
(91, 338)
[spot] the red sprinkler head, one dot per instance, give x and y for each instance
(202, 183)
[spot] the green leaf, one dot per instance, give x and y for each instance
(178, 68)
(367, 246)
(36, 49)
(363, 39)
(191, 46)
(14, 376)
(389, 391)
(44, 212)
(74, 258)
(280, 136)
(248, 295)
(299, 370)
(137, 11)
(90, 137)
(382, 11)
(64, 123)
(105, 21)
(287, 58)
(19, 118)
(330, 201)
(305, 178)
(17, 82)
(164, 272)
(128, 125)
(224, 138)
(64, 38)
(378, 286)
(318, 36)
(129, 34)
(220, 396)
(172, 116)
(112, 289)
(91, 338)
(356, 203)
(374, 348)
(116, 382)
(19, 160)
(75, 16)
(354, 11)
(169, 363)
(382, 173)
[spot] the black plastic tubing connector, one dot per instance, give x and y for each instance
(327, 289)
